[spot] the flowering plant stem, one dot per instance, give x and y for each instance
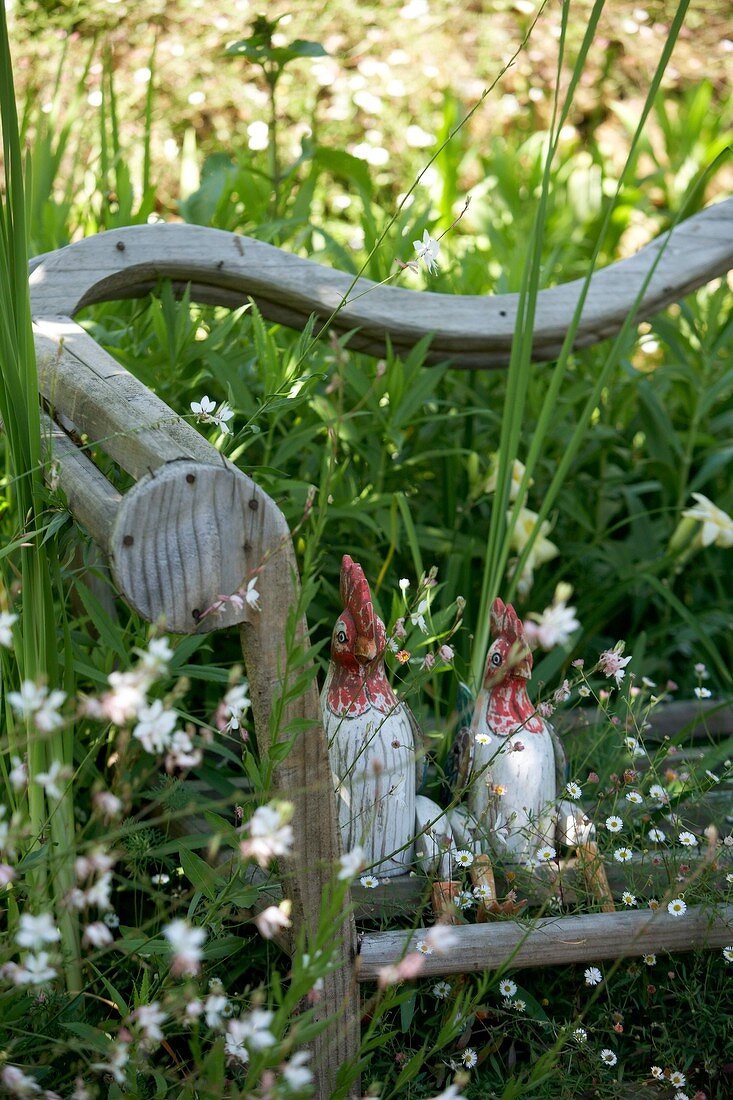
(520, 367)
(36, 643)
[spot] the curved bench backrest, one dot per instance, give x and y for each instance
(469, 330)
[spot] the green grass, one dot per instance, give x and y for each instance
(614, 439)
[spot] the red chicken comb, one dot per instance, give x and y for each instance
(357, 600)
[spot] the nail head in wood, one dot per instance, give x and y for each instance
(254, 504)
(190, 478)
(120, 246)
(128, 540)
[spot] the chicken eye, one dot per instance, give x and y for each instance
(341, 637)
(496, 659)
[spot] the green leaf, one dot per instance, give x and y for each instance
(199, 873)
(92, 1037)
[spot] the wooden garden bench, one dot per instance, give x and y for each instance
(193, 525)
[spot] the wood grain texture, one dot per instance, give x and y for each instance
(469, 330)
(93, 500)
(695, 719)
(551, 941)
(401, 896)
(181, 540)
(304, 778)
(372, 760)
(105, 402)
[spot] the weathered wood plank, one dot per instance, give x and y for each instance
(470, 330)
(552, 941)
(180, 541)
(405, 895)
(699, 719)
(303, 777)
(92, 499)
(79, 379)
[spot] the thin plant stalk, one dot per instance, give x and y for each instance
(498, 548)
(36, 651)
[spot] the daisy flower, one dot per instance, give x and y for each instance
(677, 1079)
(369, 881)
(580, 1035)
(507, 988)
(482, 739)
(463, 857)
(423, 947)
(622, 855)
(608, 1057)
(650, 960)
(614, 824)
(688, 839)
(573, 789)
(627, 898)
(441, 990)
(728, 954)
(677, 908)
(593, 976)
(469, 1057)
(656, 835)
(657, 1072)
(546, 854)
(634, 797)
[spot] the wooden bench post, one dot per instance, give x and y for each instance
(192, 528)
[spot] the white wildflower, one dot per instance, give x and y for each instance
(351, 863)
(97, 935)
(35, 970)
(18, 774)
(51, 779)
(442, 938)
(186, 943)
(119, 1056)
(18, 1083)
(273, 918)
(215, 1008)
(270, 835)
(35, 932)
(6, 635)
(155, 727)
(148, 1018)
(296, 1073)
(717, 525)
(428, 250)
(554, 627)
(36, 702)
(613, 664)
(251, 595)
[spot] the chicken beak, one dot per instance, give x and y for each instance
(365, 649)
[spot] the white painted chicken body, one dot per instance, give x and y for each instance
(513, 790)
(371, 736)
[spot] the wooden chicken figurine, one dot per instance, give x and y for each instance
(518, 764)
(371, 735)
